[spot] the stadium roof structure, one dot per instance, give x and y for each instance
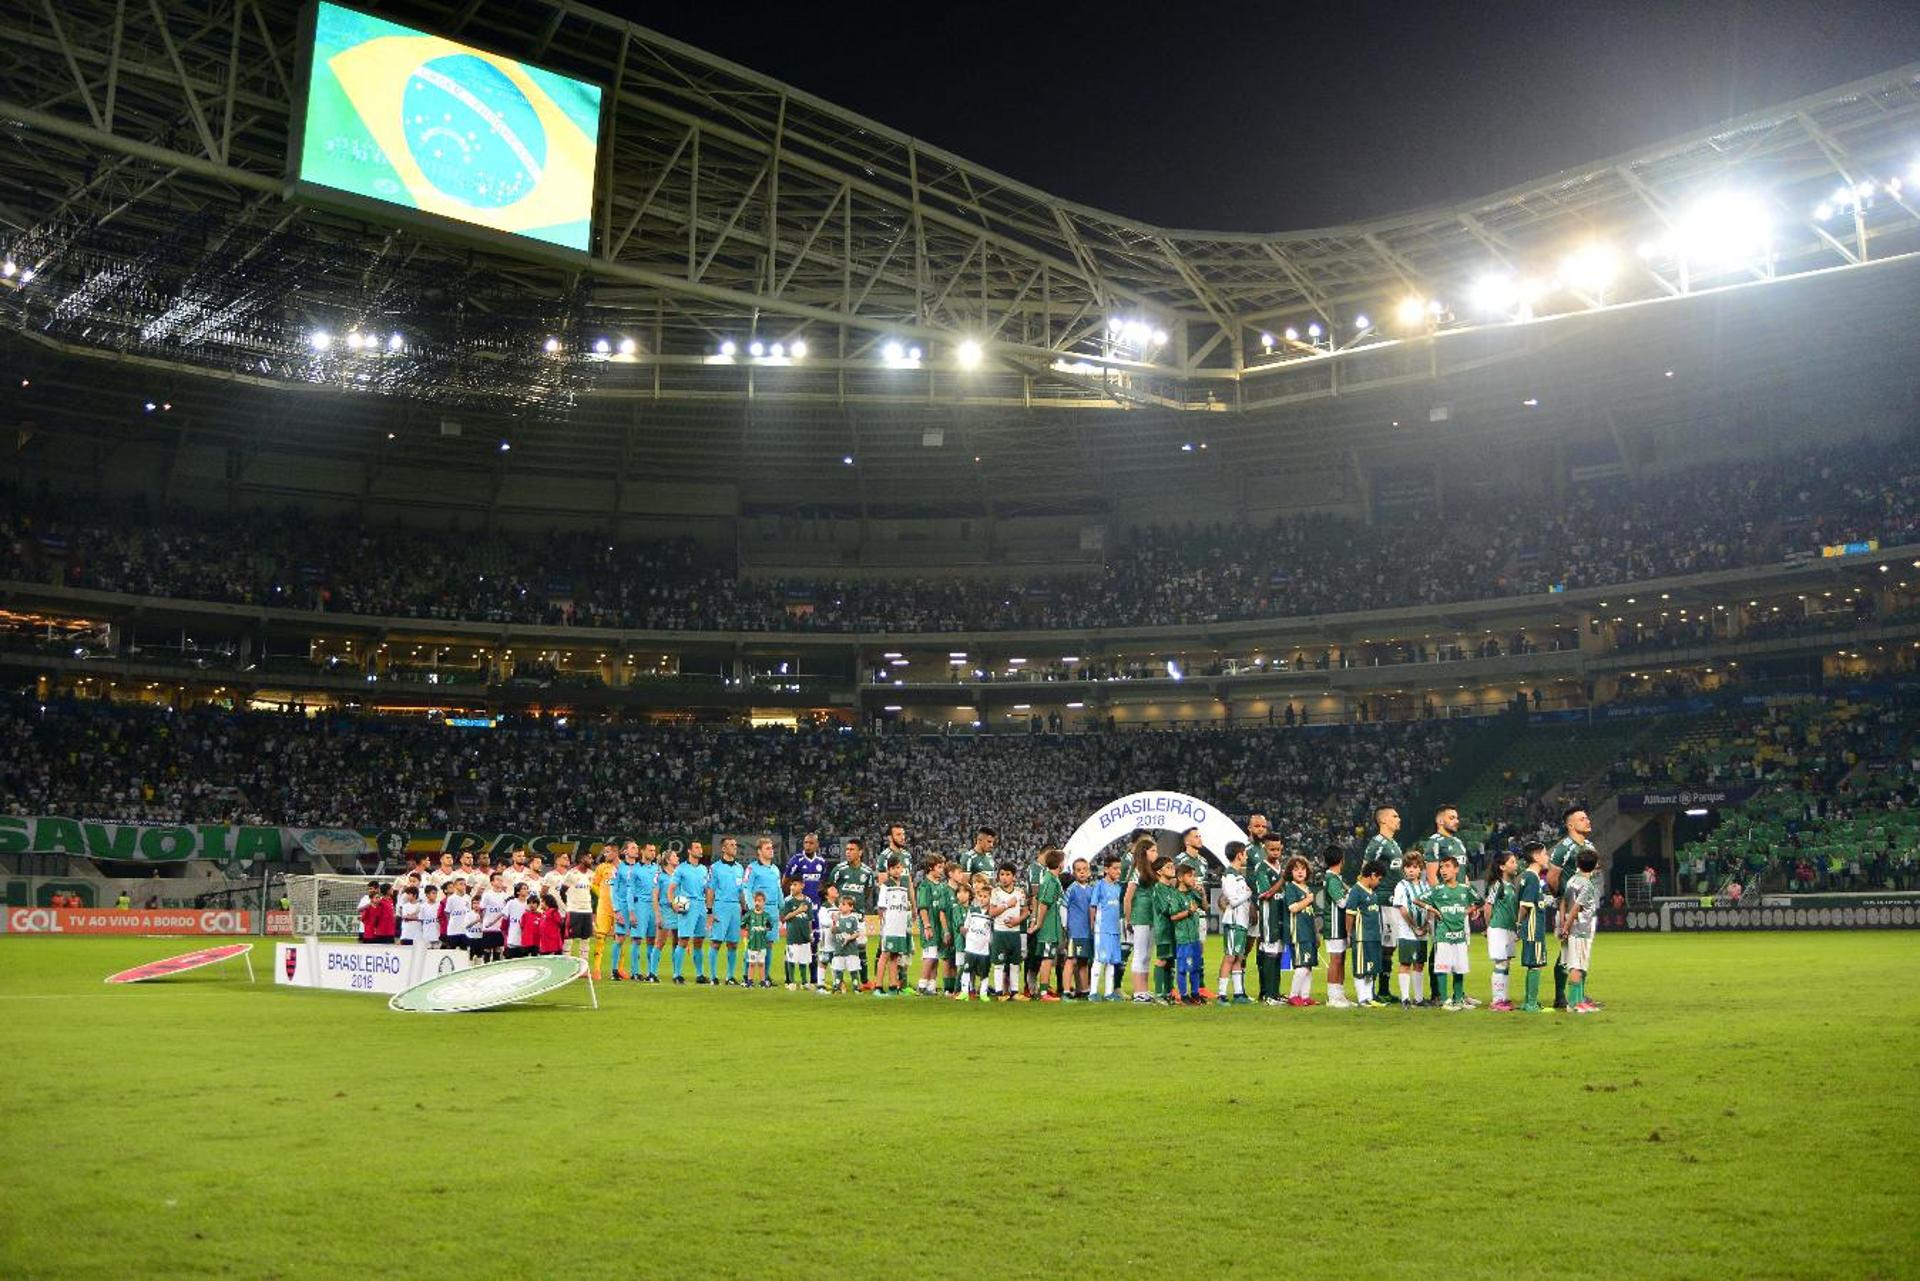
(148, 216)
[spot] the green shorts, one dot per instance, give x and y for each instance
(1412, 951)
(977, 965)
(1234, 939)
(947, 953)
(1533, 953)
(1080, 949)
(1165, 949)
(1366, 960)
(895, 943)
(1044, 948)
(1005, 949)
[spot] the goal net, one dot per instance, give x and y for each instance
(325, 905)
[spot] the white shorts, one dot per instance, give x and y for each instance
(1450, 958)
(929, 953)
(846, 964)
(756, 958)
(1388, 935)
(1271, 947)
(799, 954)
(1142, 960)
(1577, 952)
(1336, 947)
(1500, 945)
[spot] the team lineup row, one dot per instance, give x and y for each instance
(976, 927)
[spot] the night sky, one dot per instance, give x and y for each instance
(1267, 117)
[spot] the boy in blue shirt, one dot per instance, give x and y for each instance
(1108, 921)
(1079, 908)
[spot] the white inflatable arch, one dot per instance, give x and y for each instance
(1155, 812)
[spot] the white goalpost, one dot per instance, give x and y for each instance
(325, 906)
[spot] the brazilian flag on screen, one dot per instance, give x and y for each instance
(425, 123)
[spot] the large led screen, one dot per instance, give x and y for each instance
(422, 122)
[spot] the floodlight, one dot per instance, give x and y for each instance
(1495, 291)
(913, 353)
(778, 351)
(799, 349)
(1266, 341)
(1411, 311)
(727, 348)
(1724, 228)
(319, 340)
(847, 459)
(1590, 268)
(1362, 323)
(894, 352)
(756, 348)
(8, 267)
(1293, 335)
(627, 346)
(601, 347)
(1314, 330)
(551, 346)
(969, 354)
(396, 342)
(355, 340)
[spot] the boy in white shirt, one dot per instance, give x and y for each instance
(459, 910)
(1236, 921)
(493, 918)
(823, 949)
(516, 909)
(896, 922)
(977, 938)
(430, 918)
(409, 917)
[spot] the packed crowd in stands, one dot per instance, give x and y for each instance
(1707, 518)
(139, 764)
(1837, 806)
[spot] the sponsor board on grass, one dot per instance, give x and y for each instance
(486, 986)
(87, 920)
(362, 967)
(178, 964)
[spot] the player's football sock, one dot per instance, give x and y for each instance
(1459, 987)
(596, 955)
(1500, 982)
(653, 960)
(679, 960)
(1533, 987)
(1406, 986)
(1576, 992)
(1559, 986)
(1239, 982)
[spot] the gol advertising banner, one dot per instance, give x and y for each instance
(85, 920)
(228, 842)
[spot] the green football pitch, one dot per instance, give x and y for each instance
(1745, 1106)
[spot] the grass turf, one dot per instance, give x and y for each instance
(1744, 1107)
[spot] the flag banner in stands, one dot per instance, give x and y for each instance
(235, 842)
(1686, 798)
(90, 920)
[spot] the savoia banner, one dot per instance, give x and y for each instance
(158, 843)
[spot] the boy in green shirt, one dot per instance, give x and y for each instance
(1533, 902)
(1452, 902)
(1167, 902)
(796, 917)
(759, 941)
(1188, 960)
